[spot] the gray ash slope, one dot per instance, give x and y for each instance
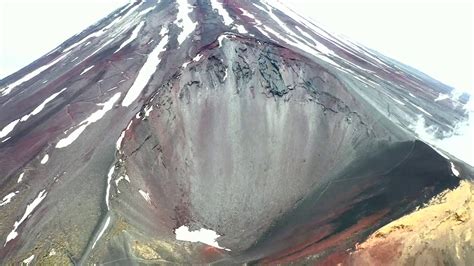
(239, 117)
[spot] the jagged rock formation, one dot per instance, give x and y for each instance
(210, 131)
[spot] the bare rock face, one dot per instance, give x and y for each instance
(439, 233)
(226, 132)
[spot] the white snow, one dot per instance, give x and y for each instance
(241, 29)
(29, 76)
(441, 97)
(145, 195)
(196, 58)
(319, 50)
(275, 18)
(102, 46)
(129, 125)
(71, 138)
(397, 101)
(119, 140)
(28, 260)
(323, 52)
(117, 21)
(226, 70)
(29, 209)
(148, 110)
(146, 11)
(8, 128)
(256, 21)
(107, 191)
(132, 37)
(247, 14)
(202, 235)
(221, 38)
(222, 12)
(122, 177)
(102, 231)
(184, 21)
(92, 35)
(411, 94)
(453, 169)
(309, 37)
(8, 198)
(20, 178)
(45, 159)
(146, 72)
(421, 109)
(85, 70)
(94, 117)
(40, 107)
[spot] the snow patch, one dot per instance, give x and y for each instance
(225, 75)
(118, 144)
(122, 177)
(133, 36)
(29, 209)
(20, 178)
(304, 33)
(29, 76)
(184, 21)
(107, 191)
(145, 195)
(8, 198)
(202, 235)
(222, 12)
(441, 97)
(8, 128)
(45, 159)
(145, 73)
(241, 29)
(85, 70)
(148, 110)
(422, 110)
(102, 46)
(195, 59)
(102, 231)
(40, 107)
(94, 117)
(146, 11)
(28, 260)
(397, 101)
(453, 169)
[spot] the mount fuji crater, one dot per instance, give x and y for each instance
(228, 133)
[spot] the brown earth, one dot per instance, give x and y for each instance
(439, 233)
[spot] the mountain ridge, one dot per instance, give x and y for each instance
(180, 116)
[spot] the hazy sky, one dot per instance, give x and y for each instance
(435, 36)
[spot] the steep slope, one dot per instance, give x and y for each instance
(240, 123)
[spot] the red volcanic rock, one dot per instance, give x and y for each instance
(269, 139)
